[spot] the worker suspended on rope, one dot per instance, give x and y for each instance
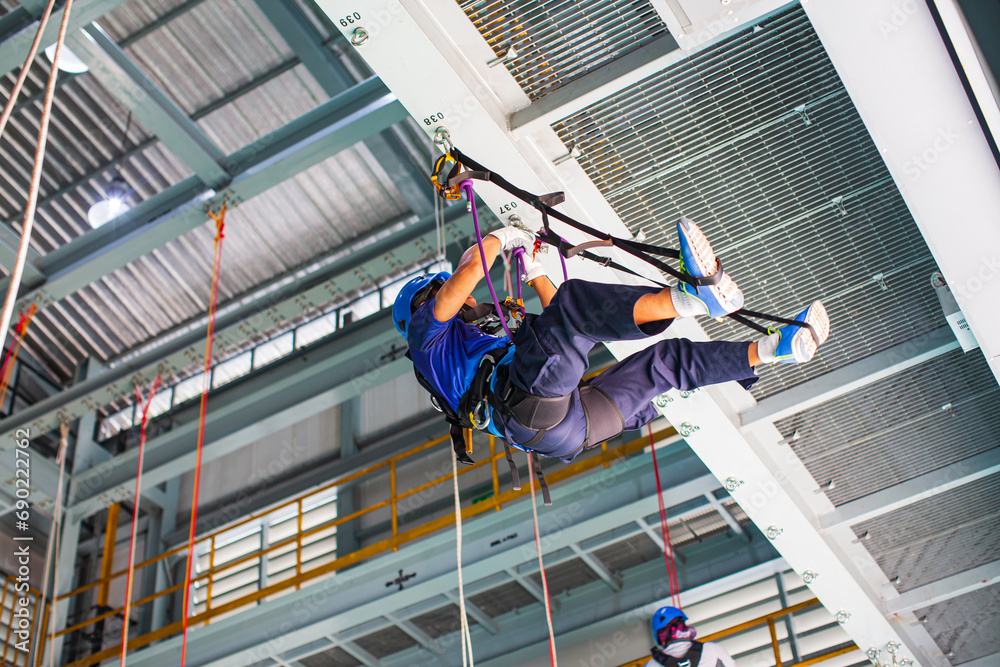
(529, 390)
(676, 647)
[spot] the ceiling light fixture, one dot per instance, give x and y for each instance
(116, 195)
(68, 61)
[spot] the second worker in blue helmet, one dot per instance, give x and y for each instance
(537, 399)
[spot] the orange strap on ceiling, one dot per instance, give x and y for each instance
(135, 510)
(668, 548)
(220, 224)
(8, 363)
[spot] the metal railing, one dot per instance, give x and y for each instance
(214, 570)
(769, 620)
(13, 592)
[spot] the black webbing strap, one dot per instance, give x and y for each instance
(643, 251)
(542, 203)
(536, 466)
(515, 477)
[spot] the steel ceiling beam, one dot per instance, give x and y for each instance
(127, 83)
(353, 598)
(439, 75)
(946, 589)
(322, 63)
(918, 110)
(363, 264)
(361, 111)
(852, 377)
(14, 46)
(914, 490)
(281, 394)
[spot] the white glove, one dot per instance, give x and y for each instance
(532, 269)
(514, 237)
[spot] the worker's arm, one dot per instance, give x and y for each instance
(544, 288)
(453, 294)
(534, 275)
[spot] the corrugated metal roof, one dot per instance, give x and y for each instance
(718, 138)
(223, 63)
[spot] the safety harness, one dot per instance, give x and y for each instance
(690, 659)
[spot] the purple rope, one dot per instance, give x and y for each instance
(562, 260)
(471, 195)
(517, 258)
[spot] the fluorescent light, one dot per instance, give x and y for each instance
(113, 204)
(68, 61)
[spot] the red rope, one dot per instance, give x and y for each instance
(15, 345)
(541, 565)
(135, 508)
(668, 548)
(219, 226)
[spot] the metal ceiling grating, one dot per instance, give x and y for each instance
(502, 599)
(334, 657)
(943, 535)
(893, 430)
(558, 41)
(757, 140)
(441, 621)
(636, 550)
(386, 641)
(965, 627)
(566, 576)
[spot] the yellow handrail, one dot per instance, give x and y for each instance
(393, 542)
(768, 619)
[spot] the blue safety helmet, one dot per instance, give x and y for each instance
(663, 617)
(402, 309)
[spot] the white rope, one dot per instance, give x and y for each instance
(467, 660)
(39, 634)
(36, 178)
(541, 565)
(32, 52)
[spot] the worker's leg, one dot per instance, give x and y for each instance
(552, 348)
(673, 363)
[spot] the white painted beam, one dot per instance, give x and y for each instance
(597, 85)
(916, 109)
(946, 589)
(913, 490)
(851, 377)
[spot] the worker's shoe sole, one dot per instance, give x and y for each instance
(698, 259)
(799, 346)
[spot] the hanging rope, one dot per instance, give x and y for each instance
(135, 508)
(52, 549)
(541, 565)
(471, 196)
(8, 363)
(467, 660)
(36, 178)
(220, 224)
(668, 548)
(22, 77)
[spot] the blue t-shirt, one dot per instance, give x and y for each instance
(448, 353)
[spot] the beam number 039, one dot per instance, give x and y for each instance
(350, 18)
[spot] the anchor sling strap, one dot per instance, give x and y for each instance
(690, 659)
(643, 251)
